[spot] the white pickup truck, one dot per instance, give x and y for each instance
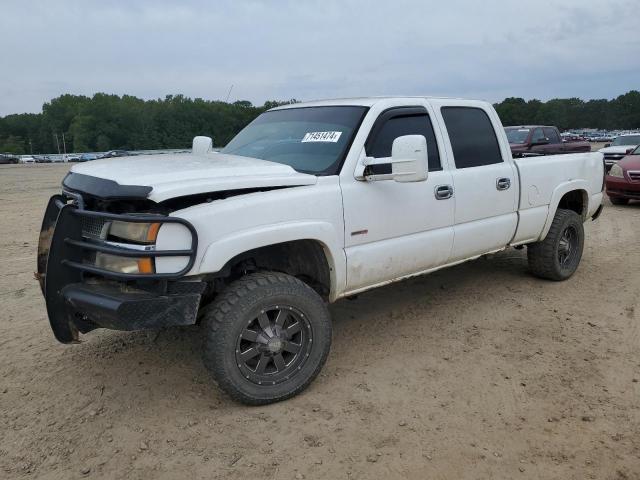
(308, 204)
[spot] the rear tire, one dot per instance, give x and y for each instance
(619, 200)
(557, 256)
(267, 337)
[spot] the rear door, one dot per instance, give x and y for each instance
(484, 181)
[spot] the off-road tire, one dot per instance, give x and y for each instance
(228, 317)
(619, 200)
(543, 256)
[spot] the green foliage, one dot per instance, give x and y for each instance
(13, 144)
(620, 113)
(105, 122)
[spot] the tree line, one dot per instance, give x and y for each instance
(621, 113)
(104, 122)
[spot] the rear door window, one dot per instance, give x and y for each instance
(472, 137)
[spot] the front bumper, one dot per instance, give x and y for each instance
(622, 188)
(81, 297)
(114, 305)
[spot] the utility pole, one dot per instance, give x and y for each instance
(57, 143)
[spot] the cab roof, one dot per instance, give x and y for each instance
(529, 126)
(356, 101)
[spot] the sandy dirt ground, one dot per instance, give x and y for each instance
(476, 372)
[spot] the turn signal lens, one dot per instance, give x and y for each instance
(145, 265)
(152, 232)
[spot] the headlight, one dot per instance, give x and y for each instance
(144, 233)
(115, 263)
(139, 233)
(616, 171)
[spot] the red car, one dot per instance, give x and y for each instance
(623, 180)
(533, 140)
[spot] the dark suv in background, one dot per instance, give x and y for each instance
(533, 140)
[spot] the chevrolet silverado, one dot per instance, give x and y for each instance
(308, 204)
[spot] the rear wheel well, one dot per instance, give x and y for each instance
(575, 200)
(303, 259)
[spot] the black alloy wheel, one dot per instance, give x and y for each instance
(267, 336)
(567, 246)
(558, 255)
(274, 345)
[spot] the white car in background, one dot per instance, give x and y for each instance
(617, 149)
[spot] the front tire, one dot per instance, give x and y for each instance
(267, 337)
(557, 256)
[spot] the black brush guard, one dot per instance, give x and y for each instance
(81, 297)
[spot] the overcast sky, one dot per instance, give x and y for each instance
(487, 49)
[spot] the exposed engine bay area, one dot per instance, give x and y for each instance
(102, 195)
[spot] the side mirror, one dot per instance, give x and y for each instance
(202, 145)
(409, 159)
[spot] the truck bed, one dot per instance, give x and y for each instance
(543, 181)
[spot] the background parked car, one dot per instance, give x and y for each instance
(115, 153)
(597, 137)
(533, 140)
(623, 179)
(621, 146)
(572, 137)
(85, 157)
(8, 158)
(603, 137)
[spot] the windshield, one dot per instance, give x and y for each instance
(626, 140)
(517, 135)
(309, 139)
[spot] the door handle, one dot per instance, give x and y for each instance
(443, 192)
(503, 183)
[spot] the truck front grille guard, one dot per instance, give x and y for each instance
(62, 253)
(95, 245)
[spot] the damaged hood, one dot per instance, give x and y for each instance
(176, 175)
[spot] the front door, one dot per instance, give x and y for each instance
(396, 229)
